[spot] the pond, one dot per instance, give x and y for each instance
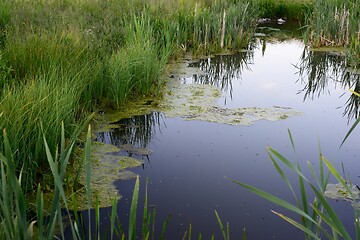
(193, 160)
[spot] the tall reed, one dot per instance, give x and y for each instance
(333, 22)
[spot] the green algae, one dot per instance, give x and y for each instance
(106, 168)
(199, 102)
(134, 150)
(128, 162)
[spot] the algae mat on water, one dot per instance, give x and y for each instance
(194, 102)
(198, 102)
(106, 168)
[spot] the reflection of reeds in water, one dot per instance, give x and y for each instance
(222, 69)
(137, 131)
(317, 70)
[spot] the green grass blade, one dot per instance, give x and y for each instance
(283, 176)
(323, 179)
(20, 202)
(291, 140)
(298, 225)
(326, 219)
(40, 211)
(6, 202)
(133, 210)
(112, 218)
(88, 175)
(57, 180)
(153, 222)
(338, 177)
(164, 227)
(146, 216)
(303, 195)
(60, 222)
(223, 231)
(350, 131)
(276, 200)
(97, 219)
(287, 163)
(337, 224)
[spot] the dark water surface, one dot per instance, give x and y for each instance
(192, 162)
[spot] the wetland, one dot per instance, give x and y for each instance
(214, 122)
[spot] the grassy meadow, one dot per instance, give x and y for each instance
(61, 60)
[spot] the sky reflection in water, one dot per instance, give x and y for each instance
(192, 160)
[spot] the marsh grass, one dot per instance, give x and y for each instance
(333, 23)
(137, 68)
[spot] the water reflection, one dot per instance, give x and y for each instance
(222, 69)
(317, 70)
(137, 131)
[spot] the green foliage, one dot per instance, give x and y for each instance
(5, 73)
(333, 22)
(336, 23)
(292, 10)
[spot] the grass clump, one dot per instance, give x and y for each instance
(136, 69)
(335, 23)
(22, 110)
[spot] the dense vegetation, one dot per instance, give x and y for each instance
(61, 60)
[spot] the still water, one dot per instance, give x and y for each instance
(193, 162)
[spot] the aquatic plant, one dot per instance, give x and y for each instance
(317, 216)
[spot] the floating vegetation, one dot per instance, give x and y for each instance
(199, 102)
(106, 168)
(338, 192)
(131, 149)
